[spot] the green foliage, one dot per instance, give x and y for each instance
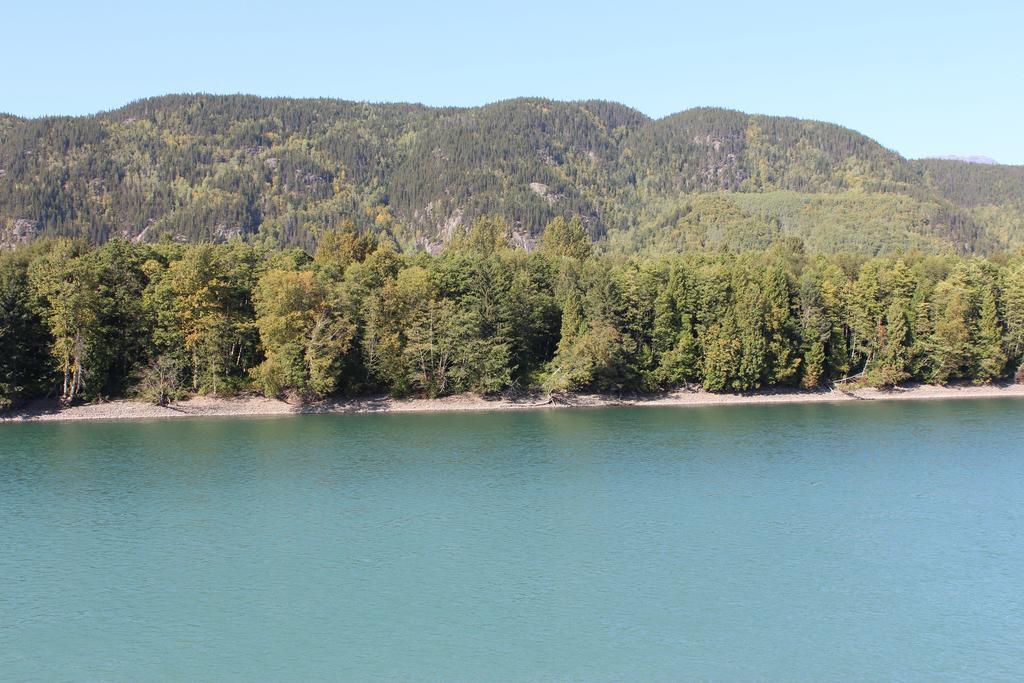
(65, 287)
(83, 323)
(674, 344)
(991, 358)
(194, 168)
(485, 237)
(304, 337)
(972, 185)
(201, 301)
(567, 239)
(336, 250)
(24, 337)
(1013, 296)
(849, 221)
(591, 359)
(890, 366)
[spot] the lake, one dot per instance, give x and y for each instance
(788, 542)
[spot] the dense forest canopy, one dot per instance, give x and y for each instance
(164, 320)
(283, 172)
(309, 248)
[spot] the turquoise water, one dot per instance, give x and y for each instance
(800, 542)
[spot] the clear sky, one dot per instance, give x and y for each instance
(924, 78)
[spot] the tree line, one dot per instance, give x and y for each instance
(357, 316)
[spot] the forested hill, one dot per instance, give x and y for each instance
(207, 168)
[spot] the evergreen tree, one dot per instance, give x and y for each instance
(566, 239)
(1014, 298)
(889, 366)
(951, 339)
(24, 367)
(989, 348)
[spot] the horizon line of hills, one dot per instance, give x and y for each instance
(284, 171)
(967, 158)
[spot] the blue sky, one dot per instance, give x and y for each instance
(924, 78)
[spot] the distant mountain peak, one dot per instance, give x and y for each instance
(973, 159)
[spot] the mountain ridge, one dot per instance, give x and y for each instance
(200, 167)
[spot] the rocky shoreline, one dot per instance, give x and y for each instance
(252, 406)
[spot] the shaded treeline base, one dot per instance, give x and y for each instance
(164, 320)
(259, 406)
